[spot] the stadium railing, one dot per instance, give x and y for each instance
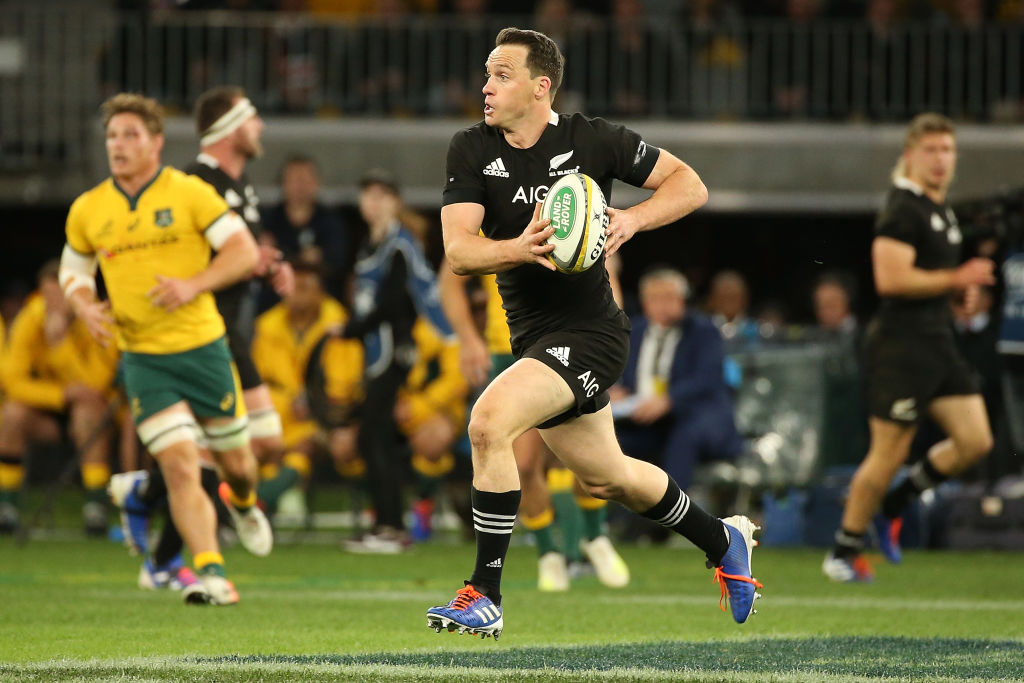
(57, 63)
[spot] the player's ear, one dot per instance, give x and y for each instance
(542, 87)
(158, 143)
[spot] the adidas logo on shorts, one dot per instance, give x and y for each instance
(496, 168)
(561, 353)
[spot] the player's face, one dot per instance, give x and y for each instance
(932, 161)
(830, 306)
(377, 204)
(662, 302)
(299, 183)
(248, 137)
(307, 294)
(509, 90)
(131, 149)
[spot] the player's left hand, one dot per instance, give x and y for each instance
(282, 278)
(621, 227)
(972, 294)
(171, 293)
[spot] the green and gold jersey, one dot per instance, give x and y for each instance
(160, 231)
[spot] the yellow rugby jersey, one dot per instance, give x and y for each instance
(435, 383)
(157, 232)
(281, 354)
(36, 373)
(498, 337)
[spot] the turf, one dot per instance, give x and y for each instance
(71, 611)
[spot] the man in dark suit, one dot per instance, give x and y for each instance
(673, 405)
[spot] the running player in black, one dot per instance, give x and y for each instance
(569, 338)
(912, 364)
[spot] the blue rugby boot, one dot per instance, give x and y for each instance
(888, 531)
(470, 612)
(123, 489)
(734, 574)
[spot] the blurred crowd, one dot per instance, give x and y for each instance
(960, 12)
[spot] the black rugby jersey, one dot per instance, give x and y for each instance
(236, 303)
(484, 169)
(932, 229)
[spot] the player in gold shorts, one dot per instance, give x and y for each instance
(150, 228)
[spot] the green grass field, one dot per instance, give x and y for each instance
(69, 610)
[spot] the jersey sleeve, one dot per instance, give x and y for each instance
(421, 284)
(898, 222)
(464, 180)
(74, 229)
(632, 159)
(204, 203)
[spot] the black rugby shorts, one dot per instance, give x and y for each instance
(906, 372)
(589, 360)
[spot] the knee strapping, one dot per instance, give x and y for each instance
(160, 432)
(227, 436)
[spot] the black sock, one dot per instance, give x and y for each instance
(169, 545)
(677, 512)
(922, 477)
(154, 490)
(494, 515)
(848, 543)
(210, 481)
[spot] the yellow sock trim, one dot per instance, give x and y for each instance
(353, 469)
(208, 557)
(560, 479)
(11, 476)
(433, 468)
(268, 471)
(589, 502)
(537, 523)
(95, 475)
(299, 462)
(242, 503)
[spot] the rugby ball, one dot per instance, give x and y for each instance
(576, 206)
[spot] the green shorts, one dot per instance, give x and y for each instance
(205, 378)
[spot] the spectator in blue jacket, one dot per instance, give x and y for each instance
(673, 404)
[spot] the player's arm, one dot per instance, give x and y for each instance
(236, 257)
(21, 382)
(469, 253)
(77, 277)
(678, 192)
(896, 274)
(474, 359)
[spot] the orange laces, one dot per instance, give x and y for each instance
(464, 596)
(720, 577)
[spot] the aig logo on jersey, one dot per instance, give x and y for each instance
(162, 218)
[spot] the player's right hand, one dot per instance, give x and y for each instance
(474, 360)
(976, 271)
(532, 245)
(97, 319)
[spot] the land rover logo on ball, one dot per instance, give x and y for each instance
(563, 213)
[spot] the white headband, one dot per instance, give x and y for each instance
(228, 123)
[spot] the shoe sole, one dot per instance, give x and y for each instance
(196, 595)
(746, 528)
(439, 623)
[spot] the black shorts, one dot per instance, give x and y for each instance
(906, 372)
(589, 360)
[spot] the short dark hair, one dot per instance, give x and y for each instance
(297, 159)
(146, 108)
(382, 177)
(542, 54)
(307, 266)
(214, 103)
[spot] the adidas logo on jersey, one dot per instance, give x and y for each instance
(496, 168)
(495, 563)
(561, 353)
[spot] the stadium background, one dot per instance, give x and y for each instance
(791, 110)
